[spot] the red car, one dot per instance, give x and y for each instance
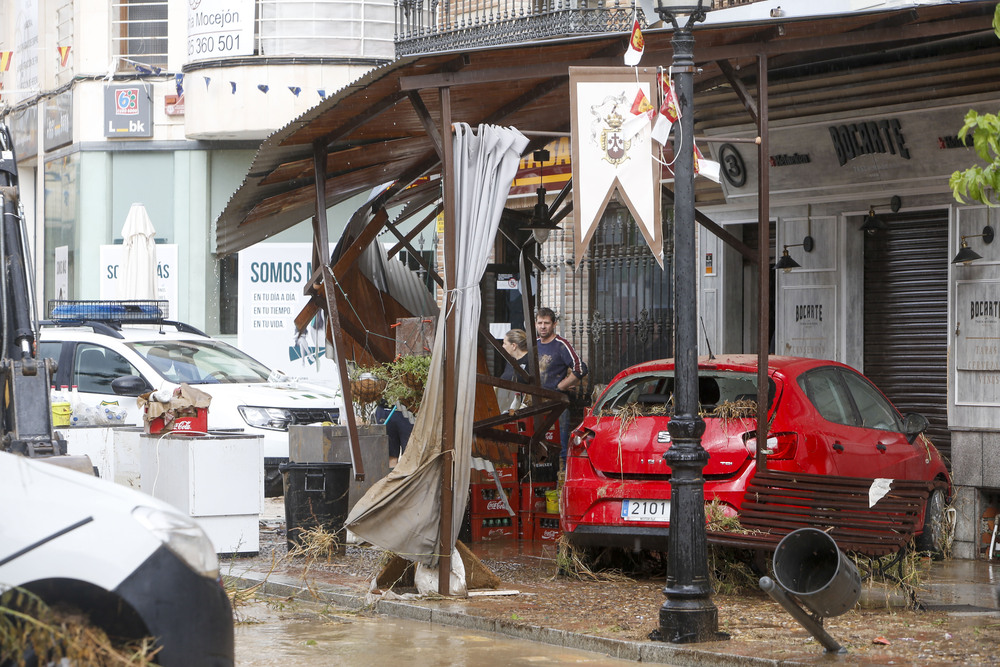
(826, 418)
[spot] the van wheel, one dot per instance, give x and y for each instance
(273, 484)
(932, 539)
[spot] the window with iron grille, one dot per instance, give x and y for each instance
(139, 33)
(64, 38)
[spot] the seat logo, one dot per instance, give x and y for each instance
(663, 436)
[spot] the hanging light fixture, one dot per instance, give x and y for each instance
(967, 254)
(541, 220)
(872, 223)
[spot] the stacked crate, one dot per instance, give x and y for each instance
(536, 523)
(488, 519)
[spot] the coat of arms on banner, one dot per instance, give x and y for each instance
(611, 113)
(612, 138)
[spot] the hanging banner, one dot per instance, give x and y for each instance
(611, 111)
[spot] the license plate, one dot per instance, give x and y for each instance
(646, 510)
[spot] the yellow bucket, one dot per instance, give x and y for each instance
(552, 502)
(61, 413)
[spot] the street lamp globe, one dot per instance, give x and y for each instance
(671, 9)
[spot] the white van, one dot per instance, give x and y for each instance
(112, 357)
(134, 565)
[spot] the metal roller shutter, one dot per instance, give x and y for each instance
(906, 316)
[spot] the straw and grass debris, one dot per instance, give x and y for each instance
(62, 634)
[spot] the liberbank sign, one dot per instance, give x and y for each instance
(915, 147)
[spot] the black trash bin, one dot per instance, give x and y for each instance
(316, 494)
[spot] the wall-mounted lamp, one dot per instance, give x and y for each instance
(967, 254)
(873, 223)
(785, 262)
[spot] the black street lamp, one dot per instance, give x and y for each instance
(688, 615)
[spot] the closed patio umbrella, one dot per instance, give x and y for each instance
(137, 279)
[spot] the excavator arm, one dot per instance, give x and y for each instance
(26, 414)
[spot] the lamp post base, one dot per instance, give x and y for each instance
(688, 622)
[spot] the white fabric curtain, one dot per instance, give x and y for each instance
(401, 513)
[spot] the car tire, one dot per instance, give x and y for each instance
(273, 483)
(932, 539)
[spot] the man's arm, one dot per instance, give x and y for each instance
(575, 368)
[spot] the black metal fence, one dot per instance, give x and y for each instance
(431, 26)
(616, 307)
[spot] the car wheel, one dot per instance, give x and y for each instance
(932, 539)
(273, 484)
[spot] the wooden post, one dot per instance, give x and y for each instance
(321, 249)
(763, 262)
(448, 427)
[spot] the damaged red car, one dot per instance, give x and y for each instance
(825, 418)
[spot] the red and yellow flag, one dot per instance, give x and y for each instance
(636, 44)
(63, 55)
(5, 57)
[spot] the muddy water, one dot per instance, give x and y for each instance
(309, 635)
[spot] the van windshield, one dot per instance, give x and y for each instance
(201, 362)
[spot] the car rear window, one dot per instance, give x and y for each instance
(653, 392)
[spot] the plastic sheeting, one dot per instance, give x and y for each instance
(401, 512)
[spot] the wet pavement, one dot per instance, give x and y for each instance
(303, 634)
(962, 586)
(962, 590)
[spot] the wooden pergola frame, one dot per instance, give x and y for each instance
(366, 124)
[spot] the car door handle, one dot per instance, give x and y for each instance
(838, 447)
(880, 447)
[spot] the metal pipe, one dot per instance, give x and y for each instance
(781, 596)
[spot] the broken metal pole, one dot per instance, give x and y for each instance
(772, 588)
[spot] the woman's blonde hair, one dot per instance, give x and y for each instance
(518, 338)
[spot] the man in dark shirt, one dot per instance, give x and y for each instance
(558, 365)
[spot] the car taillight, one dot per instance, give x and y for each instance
(781, 446)
(579, 441)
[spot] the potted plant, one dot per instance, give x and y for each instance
(407, 377)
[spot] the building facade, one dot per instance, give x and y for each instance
(164, 104)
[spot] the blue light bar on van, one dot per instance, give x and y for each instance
(109, 311)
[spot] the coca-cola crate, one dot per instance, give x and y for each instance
(485, 500)
(546, 528)
(487, 529)
(507, 474)
(532, 495)
(525, 525)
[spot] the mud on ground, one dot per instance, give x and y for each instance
(878, 631)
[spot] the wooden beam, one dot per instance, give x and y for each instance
(763, 263)
(451, 335)
(736, 83)
(425, 119)
(430, 217)
(320, 250)
(717, 229)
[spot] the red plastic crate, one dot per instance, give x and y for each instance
(507, 474)
(485, 500)
(481, 532)
(525, 525)
(194, 424)
(545, 528)
(532, 495)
